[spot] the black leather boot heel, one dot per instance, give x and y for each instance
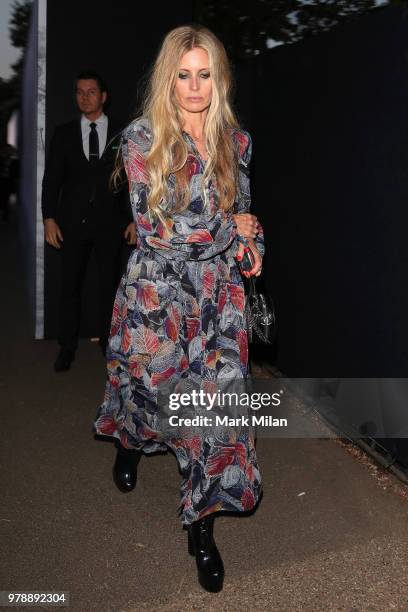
(208, 559)
(125, 468)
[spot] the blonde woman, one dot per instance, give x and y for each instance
(179, 310)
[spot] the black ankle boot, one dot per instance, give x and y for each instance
(209, 563)
(125, 468)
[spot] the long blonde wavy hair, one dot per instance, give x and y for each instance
(168, 153)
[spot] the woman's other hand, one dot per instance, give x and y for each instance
(257, 267)
(247, 224)
(131, 233)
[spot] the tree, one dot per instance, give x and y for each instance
(10, 89)
(19, 23)
(18, 31)
(249, 28)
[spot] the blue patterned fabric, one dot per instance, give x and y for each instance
(179, 314)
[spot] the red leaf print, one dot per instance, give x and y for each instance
(135, 366)
(160, 230)
(145, 340)
(210, 386)
(200, 236)
(147, 296)
(124, 440)
(171, 329)
(126, 338)
(242, 141)
(222, 299)
(237, 296)
(136, 165)
(208, 282)
(242, 340)
(114, 328)
(172, 324)
(106, 425)
(143, 222)
(193, 326)
(116, 308)
(114, 381)
(183, 363)
(212, 358)
(157, 243)
(193, 167)
(160, 376)
(194, 307)
(124, 310)
(148, 433)
(247, 499)
(220, 459)
(175, 315)
(194, 444)
(250, 473)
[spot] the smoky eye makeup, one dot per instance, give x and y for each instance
(184, 75)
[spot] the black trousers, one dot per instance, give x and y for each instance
(5, 192)
(76, 250)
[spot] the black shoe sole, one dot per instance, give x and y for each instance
(211, 588)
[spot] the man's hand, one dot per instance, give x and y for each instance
(52, 233)
(131, 233)
(257, 267)
(247, 225)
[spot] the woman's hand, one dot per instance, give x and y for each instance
(257, 267)
(247, 225)
(131, 233)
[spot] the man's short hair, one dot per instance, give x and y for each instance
(90, 74)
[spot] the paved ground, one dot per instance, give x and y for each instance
(342, 545)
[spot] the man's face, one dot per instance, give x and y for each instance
(89, 97)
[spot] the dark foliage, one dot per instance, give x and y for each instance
(249, 28)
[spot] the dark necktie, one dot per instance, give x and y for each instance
(93, 144)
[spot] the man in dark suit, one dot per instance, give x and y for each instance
(82, 212)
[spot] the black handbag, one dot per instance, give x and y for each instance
(260, 316)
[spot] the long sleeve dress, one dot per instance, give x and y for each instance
(179, 314)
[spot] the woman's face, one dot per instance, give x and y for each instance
(193, 89)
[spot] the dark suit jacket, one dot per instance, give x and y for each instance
(76, 192)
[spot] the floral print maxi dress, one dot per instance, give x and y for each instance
(179, 312)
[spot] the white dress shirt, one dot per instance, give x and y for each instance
(101, 128)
